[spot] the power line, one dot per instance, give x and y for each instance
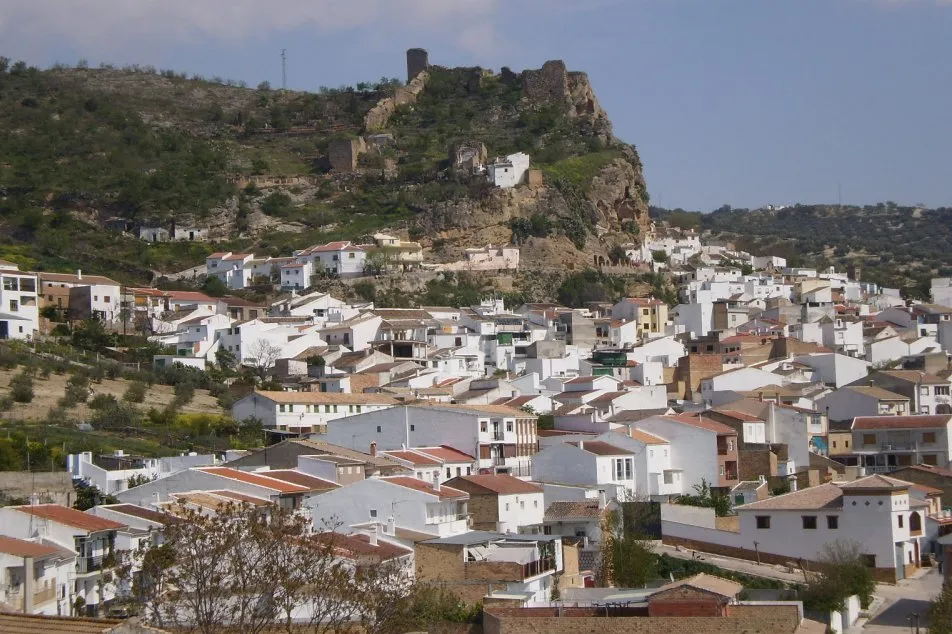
(284, 69)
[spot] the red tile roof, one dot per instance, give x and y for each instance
(358, 546)
(446, 454)
(141, 512)
(702, 423)
(70, 517)
(601, 448)
(191, 296)
(302, 479)
(23, 548)
(500, 484)
(922, 421)
(412, 457)
(445, 492)
(241, 497)
(255, 479)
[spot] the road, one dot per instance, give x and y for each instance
(910, 596)
(737, 565)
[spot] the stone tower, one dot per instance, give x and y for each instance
(418, 60)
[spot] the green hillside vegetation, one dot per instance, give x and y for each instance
(82, 146)
(895, 246)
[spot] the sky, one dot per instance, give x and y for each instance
(739, 102)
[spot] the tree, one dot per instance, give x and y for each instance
(843, 572)
(263, 354)
(225, 358)
(214, 287)
(940, 612)
(138, 479)
(21, 387)
(706, 498)
(135, 393)
(628, 558)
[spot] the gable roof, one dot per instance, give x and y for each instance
(915, 376)
(257, 479)
(72, 278)
(601, 448)
(645, 437)
(702, 423)
(444, 493)
(445, 454)
(70, 517)
(914, 421)
(572, 509)
(301, 479)
(875, 392)
(24, 548)
(500, 484)
(330, 398)
(707, 583)
(824, 496)
(358, 545)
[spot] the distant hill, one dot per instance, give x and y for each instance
(90, 155)
(896, 246)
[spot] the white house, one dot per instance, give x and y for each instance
(587, 462)
(887, 443)
(509, 171)
(862, 400)
(741, 379)
(835, 369)
(356, 333)
(701, 449)
(36, 576)
(111, 473)
(233, 269)
(654, 475)
(19, 303)
(433, 463)
(307, 412)
(503, 503)
(502, 439)
(427, 509)
(90, 296)
(91, 538)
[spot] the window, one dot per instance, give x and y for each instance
(869, 439)
(834, 444)
(373, 513)
(720, 470)
(522, 506)
(351, 256)
(628, 462)
(846, 444)
(95, 298)
(14, 305)
(469, 471)
(509, 426)
(832, 522)
(928, 437)
(899, 520)
(449, 473)
(730, 444)
(412, 427)
(668, 477)
(105, 298)
(546, 530)
(619, 469)
(358, 409)
(483, 427)
(924, 389)
(809, 522)
(459, 471)
(535, 503)
(924, 409)
(507, 506)
(942, 390)
(9, 283)
(929, 459)
(379, 429)
(281, 408)
(763, 521)
(28, 285)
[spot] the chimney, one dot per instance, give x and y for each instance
(373, 449)
(391, 526)
(793, 483)
(436, 482)
(581, 445)
(79, 274)
(28, 583)
(602, 501)
(374, 535)
(761, 395)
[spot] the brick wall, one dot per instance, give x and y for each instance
(698, 367)
(928, 478)
(757, 462)
(770, 619)
(484, 510)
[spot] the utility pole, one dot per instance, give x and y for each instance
(284, 69)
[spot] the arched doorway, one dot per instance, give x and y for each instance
(915, 522)
(943, 409)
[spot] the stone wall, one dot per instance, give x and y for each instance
(484, 510)
(549, 83)
(378, 117)
(418, 61)
(51, 488)
(442, 564)
(343, 153)
(757, 462)
(768, 619)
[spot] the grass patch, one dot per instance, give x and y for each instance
(579, 171)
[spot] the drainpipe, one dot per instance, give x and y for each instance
(28, 583)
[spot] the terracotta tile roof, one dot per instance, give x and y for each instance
(38, 624)
(645, 437)
(72, 278)
(326, 448)
(606, 398)
(575, 509)
(500, 484)
(414, 458)
(70, 517)
(601, 448)
(875, 392)
(143, 513)
(876, 481)
(635, 415)
(302, 479)
(241, 497)
(914, 376)
(702, 423)
(445, 492)
(924, 489)
(499, 410)
(742, 416)
(706, 582)
(446, 454)
(358, 546)
(824, 496)
(643, 301)
(256, 479)
(915, 421)
(24, 548)
(191, 296)
(924, 468)
(330, 398)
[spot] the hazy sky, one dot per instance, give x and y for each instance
(744, 102)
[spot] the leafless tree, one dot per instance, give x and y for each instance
(263, 354)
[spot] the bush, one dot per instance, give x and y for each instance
(21, 388)
(184, 392)
(135, 393)
(77, 389)
(103, 401)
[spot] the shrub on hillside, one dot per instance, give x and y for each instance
(21, 388)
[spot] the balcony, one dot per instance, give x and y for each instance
(538, 567)
(499, 436)
(499, 461)
(86, 565)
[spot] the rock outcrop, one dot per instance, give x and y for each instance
(553, 83)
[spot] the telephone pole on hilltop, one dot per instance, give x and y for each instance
(284, 69)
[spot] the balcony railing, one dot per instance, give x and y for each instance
(898, 446)
(538, 567)
(499, 436)
(499, 461)
(89, 564)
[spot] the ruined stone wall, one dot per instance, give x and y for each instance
(378, 117)
(549, 83)
(418, 61)
(343, 154)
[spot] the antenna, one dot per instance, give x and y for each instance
(284, 69)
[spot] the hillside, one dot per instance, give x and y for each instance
(91, 155)
(893, 245)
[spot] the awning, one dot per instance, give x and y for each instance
(11, 317)
(819, 442)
